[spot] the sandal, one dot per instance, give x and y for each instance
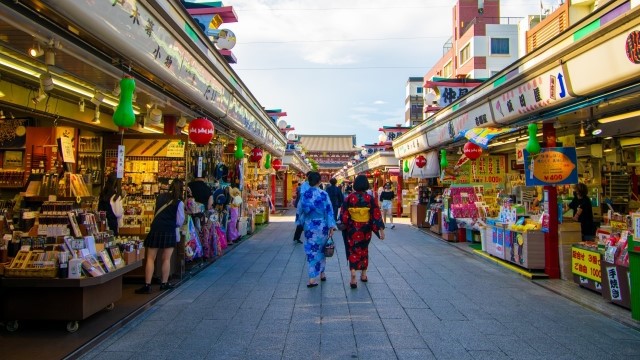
(310, 285)
(323, 278)
(364, 278)
(353, 283)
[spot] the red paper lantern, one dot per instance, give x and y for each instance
(376, 173)
(277, 164)
(421, 161)
(472, 151)
(256, 155)
(200, 131)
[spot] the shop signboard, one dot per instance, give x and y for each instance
(545, 90)
(586, 263)
(416, 144)
(478, 117)
(552, 166)
(175, 149)
(439, 135)
(451, 91)
(120, 163)
(622, 54)
(520, 152)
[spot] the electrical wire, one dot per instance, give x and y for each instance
(347, 40)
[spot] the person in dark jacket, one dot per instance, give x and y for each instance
(335, 195)
(110, 201)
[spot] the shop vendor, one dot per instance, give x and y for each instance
(583, 212)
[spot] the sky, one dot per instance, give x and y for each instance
(341, 67)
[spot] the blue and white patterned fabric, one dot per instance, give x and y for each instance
(315, 214)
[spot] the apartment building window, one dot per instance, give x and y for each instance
(465, 54)
(448, 70)
(499, 46)
(419, 90)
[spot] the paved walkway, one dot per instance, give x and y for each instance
(424, 300)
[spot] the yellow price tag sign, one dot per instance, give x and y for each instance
(586, 263)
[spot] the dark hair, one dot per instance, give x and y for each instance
(313, 177)
(582, 190)
(111, 187)
(176, 189)
(361, 183)
(333, 181)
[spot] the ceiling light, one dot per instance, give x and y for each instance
(96, 116)
(97, 98)
(116, 90)
(608, 148)
(608, 138)
(36, 51)
(46, 82)
(50, 57)
(628, 115)
(459, 151)
(81, 105)
(182, 121)
(2, 117)
(41, 96)
(582, 134)
(596, 131)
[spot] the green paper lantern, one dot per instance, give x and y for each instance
(124, 116)
(443, 159)
(239, 154)
(406, 166)
(267, 162)
(533, 147)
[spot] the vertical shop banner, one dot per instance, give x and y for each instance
(520, 152)
(614, 285)
(66, 149)
(552, 166)
(120, 162)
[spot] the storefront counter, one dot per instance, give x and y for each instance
(418, 215)
(525, 249)
(586, 267)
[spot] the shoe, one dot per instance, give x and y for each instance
(354, 286)
(144, 290)
(323, 278)
(353, 282)
(166, 286)
(312, 285)
(393, 226)
(299, 241)
(364, 278)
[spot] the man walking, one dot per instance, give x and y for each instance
(335, 195)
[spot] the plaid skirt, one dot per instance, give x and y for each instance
(160, 240)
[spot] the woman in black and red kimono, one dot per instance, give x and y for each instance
(361, 216)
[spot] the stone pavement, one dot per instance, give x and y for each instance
(424, 300)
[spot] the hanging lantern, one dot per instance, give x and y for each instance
(376, 173)
(406, 166)
(443, 159)
(421, 161)
(124, 116)
(239, 153)
(382, 138)
(201, 131)
(363, 152)
(256, 155)
(533, 147)
(277, 164)
(472, 151)
(267, 162)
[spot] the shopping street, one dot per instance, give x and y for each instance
(425, 299)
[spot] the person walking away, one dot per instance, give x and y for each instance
(164, 235)
(583, 211)
(202, 193)
(386, 198)
(361, 216)
(315, 214)
(335, 195)
(110, 202)
(301, 187)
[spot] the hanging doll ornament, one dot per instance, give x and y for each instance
(124, 116)
(267, 162)
(239, 153)
(533, 147)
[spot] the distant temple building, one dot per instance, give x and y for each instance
(331, 152)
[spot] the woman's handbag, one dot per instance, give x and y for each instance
(329, 247)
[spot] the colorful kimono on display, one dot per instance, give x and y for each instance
(234, 211)
(361, 216)
(315, 214)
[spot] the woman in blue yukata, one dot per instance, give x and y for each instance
(315, 214)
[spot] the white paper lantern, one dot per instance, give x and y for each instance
(282, 124)
(382, 137)
(291, 136)
(363, 152)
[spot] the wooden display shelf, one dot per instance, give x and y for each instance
(61, 299)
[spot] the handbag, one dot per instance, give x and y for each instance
(329, 247)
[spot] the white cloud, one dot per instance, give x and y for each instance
(379, 102)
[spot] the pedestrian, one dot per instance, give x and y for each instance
(164, 234)
(361, 216)
(386, 197)
(335, 195)
(202, 193)
(315, 214)
(110, 202)
(298, 233)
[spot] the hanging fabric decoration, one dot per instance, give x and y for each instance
(267, 162)
(406, 167)
(277, 164)
(443, 159)
(201, 131)
(239, 153)
(124, 116)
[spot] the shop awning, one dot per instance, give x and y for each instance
(430, 170)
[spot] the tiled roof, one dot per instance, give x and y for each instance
(328, 142)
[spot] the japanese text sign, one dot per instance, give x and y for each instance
(553, 166)
(586, 263)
